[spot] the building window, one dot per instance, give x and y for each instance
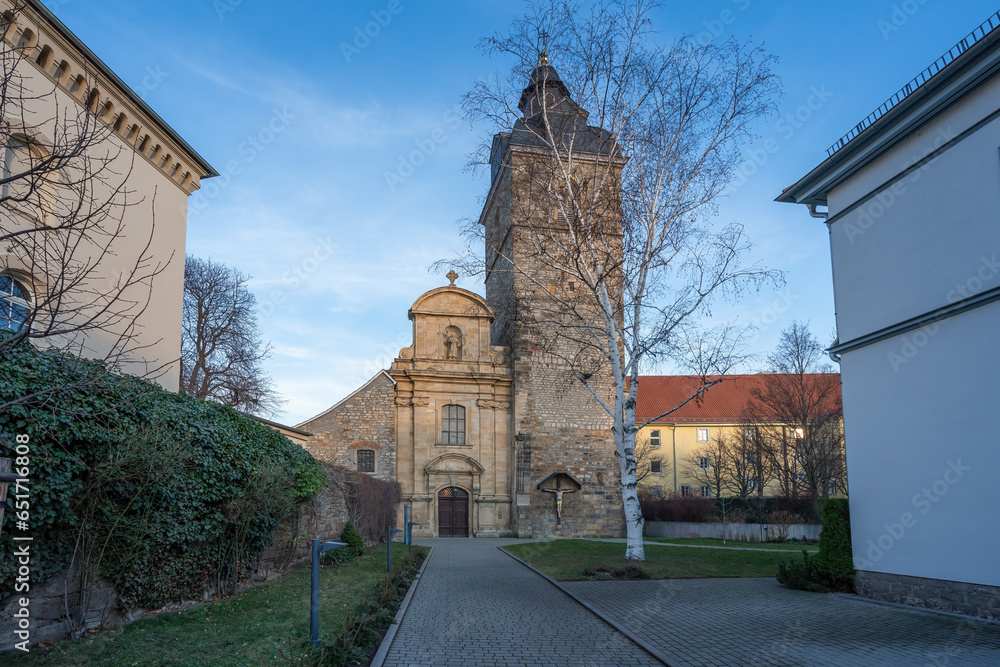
(453, 425)
(706, 491)
(654, 438)
(656, 492)
(702, 435)
(654, 466)
(831, 489)
(366, 460)
(15, 304)
(685, 490)
(704, 463)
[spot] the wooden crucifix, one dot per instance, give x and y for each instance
(559, 491)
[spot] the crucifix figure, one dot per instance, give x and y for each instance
(559, 491)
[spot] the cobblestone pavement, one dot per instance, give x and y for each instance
(760, 622)
(476, 606)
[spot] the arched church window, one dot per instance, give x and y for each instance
(366, 460)
(15, 303)
(453, 425)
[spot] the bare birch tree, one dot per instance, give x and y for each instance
(625, 199)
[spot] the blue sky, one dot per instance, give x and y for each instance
(304, 132)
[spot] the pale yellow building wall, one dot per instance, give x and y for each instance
(158, 180)
(682, 438)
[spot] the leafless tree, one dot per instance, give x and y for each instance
(222, 349)
(800, 399)
(749, 461)
(623, 184)
(648, 460)
(63, 197)
(709, 465)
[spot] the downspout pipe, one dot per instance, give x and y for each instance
(822, 215)
(673, 431)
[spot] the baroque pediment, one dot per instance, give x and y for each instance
(454, 463)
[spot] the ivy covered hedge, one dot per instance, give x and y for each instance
(165, 495)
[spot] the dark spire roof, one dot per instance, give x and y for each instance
(544, 78)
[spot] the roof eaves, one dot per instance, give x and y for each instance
(861, 146)
(348, 397)
(67, 34)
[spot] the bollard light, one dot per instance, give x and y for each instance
(409, 533)
(317, 548)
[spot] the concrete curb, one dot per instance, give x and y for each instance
(390, 634)
(652, 650)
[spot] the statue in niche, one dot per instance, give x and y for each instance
(453, 344)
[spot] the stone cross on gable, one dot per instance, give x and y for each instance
(452, 276)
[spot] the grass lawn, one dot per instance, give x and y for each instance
(248, 629)
(712, 542)
(566, 560)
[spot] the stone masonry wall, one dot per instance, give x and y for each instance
(559, 424)
(364, 420)
(976, 600)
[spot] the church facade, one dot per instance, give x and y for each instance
(480, 420)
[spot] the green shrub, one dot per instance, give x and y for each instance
(801, 576)
(833, 568)
(173, 495)
(835, 562)
(352, 536)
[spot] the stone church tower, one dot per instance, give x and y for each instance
(559, 427)
(480, 420)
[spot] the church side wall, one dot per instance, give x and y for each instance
(366, 420)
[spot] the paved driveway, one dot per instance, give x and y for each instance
(477, 606)
(760, 622)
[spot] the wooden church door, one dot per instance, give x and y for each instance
(453, 513)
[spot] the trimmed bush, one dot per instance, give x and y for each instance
(165, 495)
(836, 559)
(738, 510)
(833, 568)
(352, 536)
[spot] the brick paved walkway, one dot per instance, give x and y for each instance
(476, 606)
(759, 622)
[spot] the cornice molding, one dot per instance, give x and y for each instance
(77, 73)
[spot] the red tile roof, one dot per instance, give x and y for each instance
(722, 403)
